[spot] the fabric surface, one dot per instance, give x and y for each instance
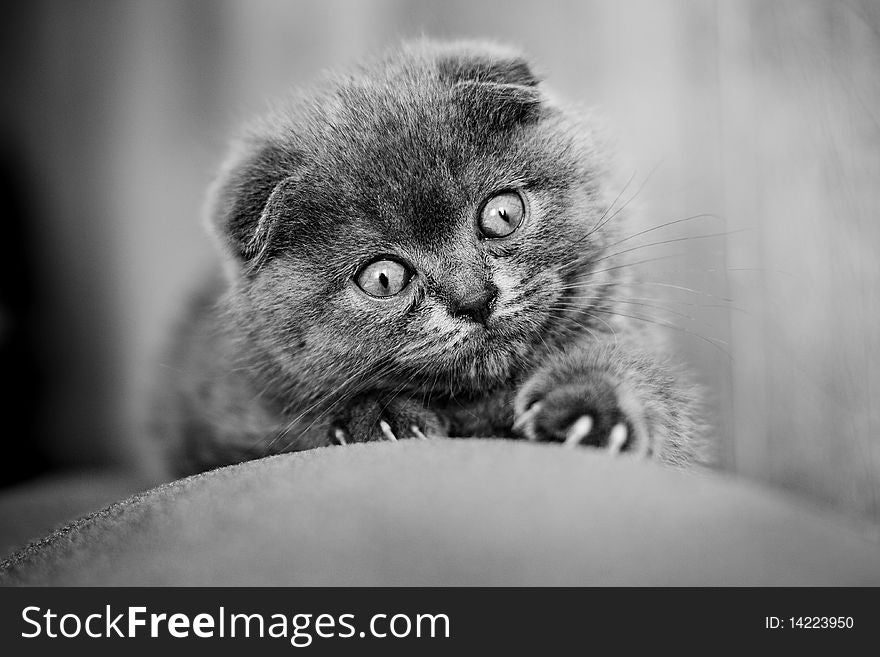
(452, 512)
(34, 508)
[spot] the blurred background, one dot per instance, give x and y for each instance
(759, 119)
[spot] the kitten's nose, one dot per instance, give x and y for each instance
(476, 305)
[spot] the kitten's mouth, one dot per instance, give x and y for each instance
(469, 355)
(493, 331)
(483, 356)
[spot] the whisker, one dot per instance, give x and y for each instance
(581, 310)
(634, 282)
(399, 390)
(604, 222)
(345, 397)
(669, 241)
(282, 434)
(633, 264)
(616, 199)
(703, 215)
(681, 288)
(638, 303)
(715, 342)
(583, 327)
(667, 299)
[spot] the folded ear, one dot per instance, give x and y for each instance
(248, 198)
(491, 82)
(469, 62)
(500, 105)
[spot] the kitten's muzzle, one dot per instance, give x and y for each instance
(476, 305)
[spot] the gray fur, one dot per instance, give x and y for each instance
(397, 158)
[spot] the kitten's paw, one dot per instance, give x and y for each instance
(372, 419)
(591, 411)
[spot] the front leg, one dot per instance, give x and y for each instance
(605, 396)
(372, 418)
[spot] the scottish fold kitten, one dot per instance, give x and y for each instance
(417, 249)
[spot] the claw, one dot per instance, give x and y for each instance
(526, 417)
(339, 436)
(417, 433)
(579, 430)
(617, 438)
(386, 430)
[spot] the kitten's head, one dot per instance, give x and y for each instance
(417, 223)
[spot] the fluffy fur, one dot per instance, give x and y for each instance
(397, 159)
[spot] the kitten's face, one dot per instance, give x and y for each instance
(424, 233)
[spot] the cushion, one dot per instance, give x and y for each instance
(452, 512)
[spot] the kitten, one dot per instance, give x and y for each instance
(418, 249)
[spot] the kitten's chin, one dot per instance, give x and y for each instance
(470, 358)
(480, 360)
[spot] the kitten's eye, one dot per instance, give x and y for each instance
(502, 214)
(383, 278)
